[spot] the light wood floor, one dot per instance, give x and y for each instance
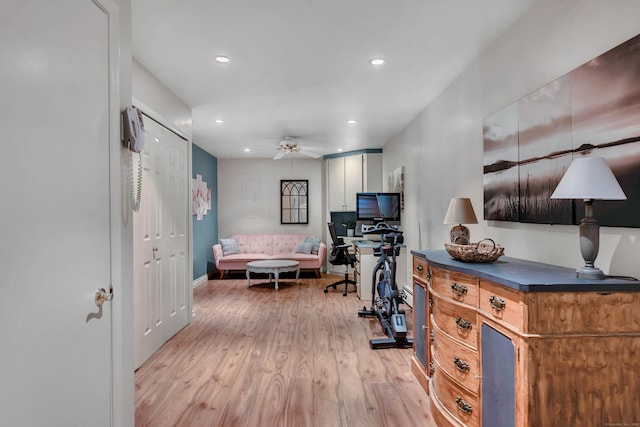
(296, 357)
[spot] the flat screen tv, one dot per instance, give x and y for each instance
(378, 206)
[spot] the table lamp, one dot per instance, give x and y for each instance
(589, 179)
(460, 212)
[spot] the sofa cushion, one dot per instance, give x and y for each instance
(302, 258)
(303, 248)
(315, 242)
(229, 246)
(255, 243)
(286, 243)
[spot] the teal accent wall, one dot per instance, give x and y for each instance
(205, 232)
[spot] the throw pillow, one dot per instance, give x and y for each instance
(315, 244)
(229, 247)
(304, 248)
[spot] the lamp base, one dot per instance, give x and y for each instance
(592, 273)
(589, 244)
(459, 234)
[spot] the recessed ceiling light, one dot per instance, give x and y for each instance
(222, 59)
(247, 150)
(376, 61)
(352, 122)
(339, 150)
(219, 121)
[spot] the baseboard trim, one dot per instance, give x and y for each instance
(200, 280)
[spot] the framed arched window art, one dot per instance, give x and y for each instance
(294, 201)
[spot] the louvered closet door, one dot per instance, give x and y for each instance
(162, 290)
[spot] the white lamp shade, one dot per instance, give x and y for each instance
(589, 178)
(460, 212)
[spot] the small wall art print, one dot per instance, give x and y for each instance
(200, 198)
(395, 183)
(592, 111)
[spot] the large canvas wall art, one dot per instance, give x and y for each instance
(501, 181)
(592, 111)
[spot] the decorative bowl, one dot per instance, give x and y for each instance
(485, 250)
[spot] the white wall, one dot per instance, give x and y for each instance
(441, 149)
(157, 101)
(249, 195)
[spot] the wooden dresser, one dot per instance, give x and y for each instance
(519, 343)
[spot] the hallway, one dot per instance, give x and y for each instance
(296, 357)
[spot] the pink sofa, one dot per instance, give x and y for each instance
(253, 247)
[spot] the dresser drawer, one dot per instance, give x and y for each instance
(440, 415)
(501, 303)
(421, 269)
(456, 320)
(459, 361)
(459, 402)
(459, 287)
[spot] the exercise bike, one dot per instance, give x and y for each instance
(385, 306)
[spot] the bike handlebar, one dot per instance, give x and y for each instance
(381, 228)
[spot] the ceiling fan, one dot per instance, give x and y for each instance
(288, 145)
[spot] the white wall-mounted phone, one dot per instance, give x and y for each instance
(133, 138)
(133, 128)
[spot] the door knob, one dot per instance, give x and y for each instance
(102, 295)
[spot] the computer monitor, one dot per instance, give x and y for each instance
(378, 207)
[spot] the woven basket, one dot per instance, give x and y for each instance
(475, 252)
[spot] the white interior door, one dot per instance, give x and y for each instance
(59, 119)
(162, 290)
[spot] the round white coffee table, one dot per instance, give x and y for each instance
(273, 266)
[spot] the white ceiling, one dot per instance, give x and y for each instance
(301, 67)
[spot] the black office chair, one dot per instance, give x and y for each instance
(340, 255)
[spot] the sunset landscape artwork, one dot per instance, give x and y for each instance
(592, 111)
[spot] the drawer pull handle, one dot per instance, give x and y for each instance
(458, 289)
(497, 303)
(463, 406)
(461, 365)
(463, 325)
(419, 268)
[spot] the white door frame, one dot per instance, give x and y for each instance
(122, 382)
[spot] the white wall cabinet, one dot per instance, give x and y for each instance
(372, 172)
(349, 175)
(345, 180)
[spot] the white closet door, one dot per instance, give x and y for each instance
(162, 291)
